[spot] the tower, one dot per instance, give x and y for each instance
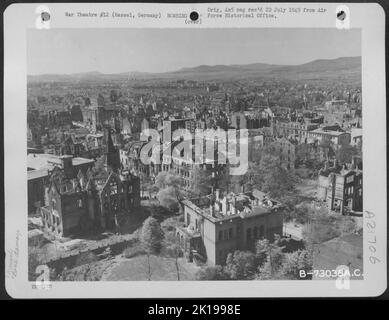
(112, 158)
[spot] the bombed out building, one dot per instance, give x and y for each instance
(215, 227)
(96, 200)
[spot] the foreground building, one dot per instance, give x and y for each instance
(231, 222)
(39, 167)
(93, 200)
(85, 203)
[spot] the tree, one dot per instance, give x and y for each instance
(168, 179)
(152, 235)
(168, 198)
(295, 262)
(346, 153)
(272, 257)
(212, 273)
(302, 214)
(271, 177)
(201, 182)
(170, 190)
(241, 265)
(151, 239)
(277, 180)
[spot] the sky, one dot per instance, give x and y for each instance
(66, 51)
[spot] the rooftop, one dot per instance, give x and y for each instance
(243, 205)
(36, 174)
(48, 161)
(328, 132)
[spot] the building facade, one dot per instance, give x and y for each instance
(86, 203)
(231, 222)
(342, 190)
(285, 149)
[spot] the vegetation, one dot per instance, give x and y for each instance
(271, 177)
(241, 265)
(151, 238)
(170, 188)
(201, 183)
(346, 153)
(271, 260)
(295, 262)
(212, 273)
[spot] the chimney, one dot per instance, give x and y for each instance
(212, 210)
(224, 205)
(354, 162)
(217, 194)
(67, 164)
(233, 205)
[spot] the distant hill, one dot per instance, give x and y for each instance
(339, 64)
(317, 69)
(228, 68)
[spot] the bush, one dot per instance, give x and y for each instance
(295, 262)
(242, 265)
(212, 273)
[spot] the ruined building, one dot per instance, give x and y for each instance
(216, 227)
(99, 199)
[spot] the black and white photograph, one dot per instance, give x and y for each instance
(229, 157)
(100, 208)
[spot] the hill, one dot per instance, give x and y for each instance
(349, 67)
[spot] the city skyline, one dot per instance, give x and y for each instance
(111, 51)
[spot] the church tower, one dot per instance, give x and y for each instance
(112, 158)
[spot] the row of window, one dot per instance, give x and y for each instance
(251, 233)
(255, 233)
(226, 234)
(349, 190)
